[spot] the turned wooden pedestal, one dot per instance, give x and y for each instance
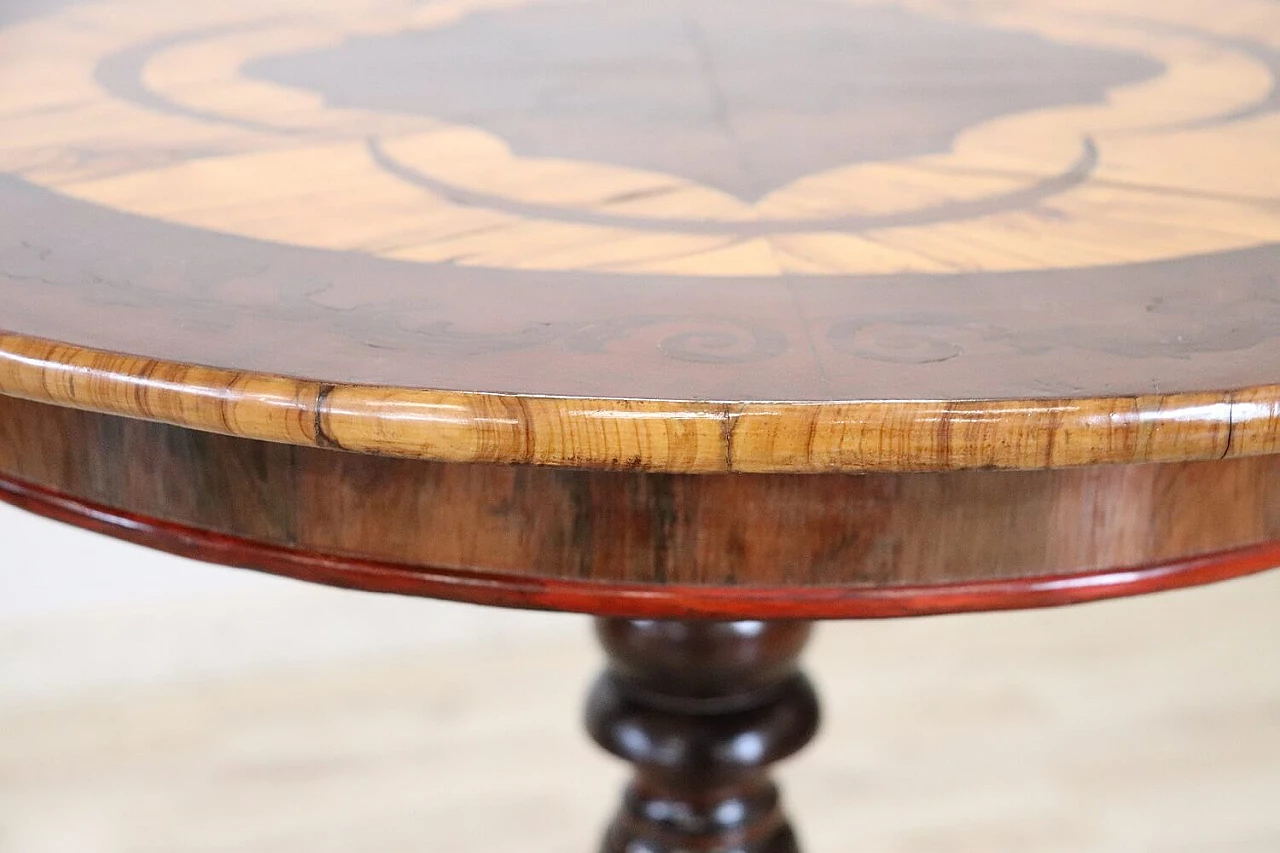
(674, 313)
(702, 709)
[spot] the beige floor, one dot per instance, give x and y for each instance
(1147, 726)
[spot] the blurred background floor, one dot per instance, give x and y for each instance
(149, 704)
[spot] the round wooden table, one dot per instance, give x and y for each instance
(708, 318)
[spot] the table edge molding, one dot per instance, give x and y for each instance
(639, 600)
(678, 436)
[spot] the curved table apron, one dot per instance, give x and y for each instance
(630, 543)
(704, 317)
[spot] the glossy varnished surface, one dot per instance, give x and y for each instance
(702, 709)
(644, 544)
(678, 236)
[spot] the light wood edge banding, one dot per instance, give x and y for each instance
(657, 435)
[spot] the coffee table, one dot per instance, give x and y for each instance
(710, 319)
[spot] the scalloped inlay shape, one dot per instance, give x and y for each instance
(730, 95)
(828, 235)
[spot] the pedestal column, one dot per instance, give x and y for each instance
(702, 709)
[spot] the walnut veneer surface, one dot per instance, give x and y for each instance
(684, 237)
(708, 316)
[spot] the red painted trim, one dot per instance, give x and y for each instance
(638, 600)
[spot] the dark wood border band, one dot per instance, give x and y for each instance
(640, 600)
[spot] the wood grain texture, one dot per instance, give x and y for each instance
(682, 237)
(642, 544)
(702, 709)
(653, 435)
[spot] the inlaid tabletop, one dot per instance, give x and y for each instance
(686, 235)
